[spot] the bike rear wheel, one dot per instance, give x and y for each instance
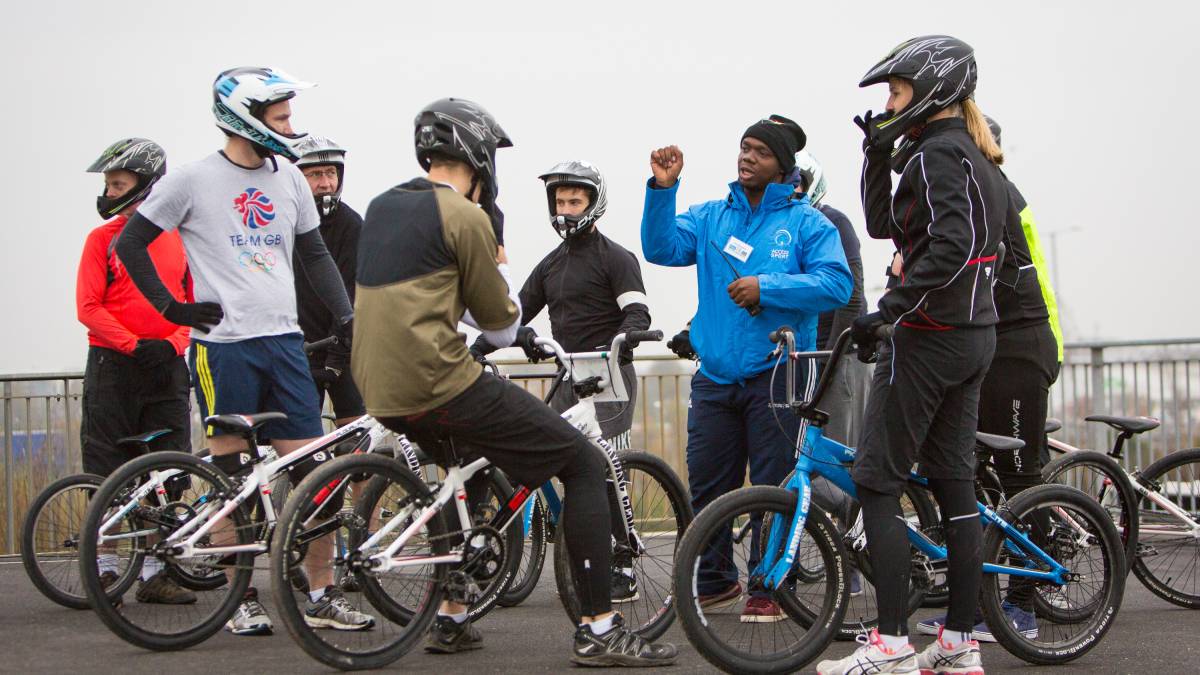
(1100, 477)
(731, 535)
(196, 490)
(401, 603)
(50, 542)
(1075, 532)
(1168, 555)
(661, 514)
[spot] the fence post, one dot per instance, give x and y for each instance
(1099, 402)
(9, 507)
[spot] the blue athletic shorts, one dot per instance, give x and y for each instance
(264, 374)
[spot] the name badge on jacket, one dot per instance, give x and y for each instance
(738, 249)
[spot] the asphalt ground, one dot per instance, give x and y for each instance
(38, 636)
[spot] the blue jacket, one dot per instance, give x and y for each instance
(797, 256)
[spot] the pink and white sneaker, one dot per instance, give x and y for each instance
(872, 657)
(961, 659)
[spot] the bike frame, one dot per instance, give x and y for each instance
(829, 459)
(184, 540)
(582, 416)
(1153, 495)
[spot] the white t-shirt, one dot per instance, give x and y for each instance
(238, 227)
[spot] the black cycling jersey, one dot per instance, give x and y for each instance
(950, 254)
(593, 287)
(1019, 300)
(340, 230)
(831, 324)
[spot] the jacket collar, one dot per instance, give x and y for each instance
(775, 197)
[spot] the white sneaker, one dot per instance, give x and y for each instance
(872, 657)
(961, 659)
(250, 618)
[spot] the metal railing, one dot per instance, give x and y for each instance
(1160, 378)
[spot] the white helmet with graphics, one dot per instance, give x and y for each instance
(812, 176)
(242, 95)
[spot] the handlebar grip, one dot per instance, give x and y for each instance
(635, 337)
(310, 347)
(777, 334)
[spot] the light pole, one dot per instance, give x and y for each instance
(1053, 236)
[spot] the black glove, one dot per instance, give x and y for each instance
(863, 331)
(150, 354)
(525, 336)
(681, 344)
(324, 377)
(202, 315)
(487, 202)
(872, 143)
(344, 333)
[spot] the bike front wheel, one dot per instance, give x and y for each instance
(1077, 533)
(533, 556)
(661, 514)
(717, 575)
(359, 495)
(1168, 556)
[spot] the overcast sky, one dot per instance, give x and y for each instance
(1098, 102)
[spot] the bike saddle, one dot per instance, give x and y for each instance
(1053, 424)
(242, 424)
(998, 443)
(1129, 425)
(140, 440)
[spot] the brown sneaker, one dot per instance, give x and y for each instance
(161, 589)
(107, 579)
(762, 610)
(721, 599)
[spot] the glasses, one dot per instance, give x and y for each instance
(321, 173)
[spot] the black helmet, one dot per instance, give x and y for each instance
(994, 127)
(575, 174)
(942, 72)
(462, 130)
(143, 157)
(321, 151)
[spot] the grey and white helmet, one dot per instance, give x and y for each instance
(321, 151)
(575, 173)
(812, 177)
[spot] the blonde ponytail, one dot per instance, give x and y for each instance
(977, 126)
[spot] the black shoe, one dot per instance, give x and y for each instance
(620, 647)
(624, 587)
(448, 637)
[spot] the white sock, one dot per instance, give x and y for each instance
(458, 618)
(627, 571)
(316, 595)
(107, 562)
(953, 638)
(150, 567)
(601, 626)
(894, 643)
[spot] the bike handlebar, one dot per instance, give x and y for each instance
(310, 347)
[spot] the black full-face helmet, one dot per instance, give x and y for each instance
(942, 72)
(143, 157)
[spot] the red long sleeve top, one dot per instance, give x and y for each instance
(116, 313)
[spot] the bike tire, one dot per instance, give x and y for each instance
(1094, 474)
(504, 567)
(50, 541)
(406, 623)
(1104, 562)
(112, 615)
(653, 612)
(821, 624)
(533, 558)
(1173, 576)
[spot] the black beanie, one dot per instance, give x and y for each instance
(784, 137)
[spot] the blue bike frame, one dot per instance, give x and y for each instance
(829, 459)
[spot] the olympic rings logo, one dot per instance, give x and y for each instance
(257, 261)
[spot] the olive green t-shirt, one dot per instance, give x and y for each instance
(426, 255)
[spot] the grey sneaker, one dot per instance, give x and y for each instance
(449, 637)
(619, 646)
(334, 611)
(961, 659)
(250, 618)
